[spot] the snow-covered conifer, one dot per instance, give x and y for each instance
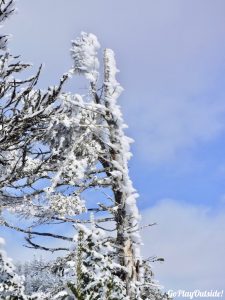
(11, 284)
(97, 274)
(38, 277)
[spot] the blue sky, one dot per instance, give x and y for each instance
(171, 55)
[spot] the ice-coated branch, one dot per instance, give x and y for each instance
(31, 232)
(39, 247)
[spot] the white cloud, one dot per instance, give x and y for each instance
(192, 241)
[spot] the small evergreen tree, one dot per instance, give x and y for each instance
(97, 273)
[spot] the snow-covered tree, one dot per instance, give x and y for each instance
(38, 277)
(63, 157)
(24, 115)
(89, 134)
(94, 273)
(11, 284)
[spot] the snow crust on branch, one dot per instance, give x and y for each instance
(84, 54)
(122, 145)
(66, 205)
(6, 10)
